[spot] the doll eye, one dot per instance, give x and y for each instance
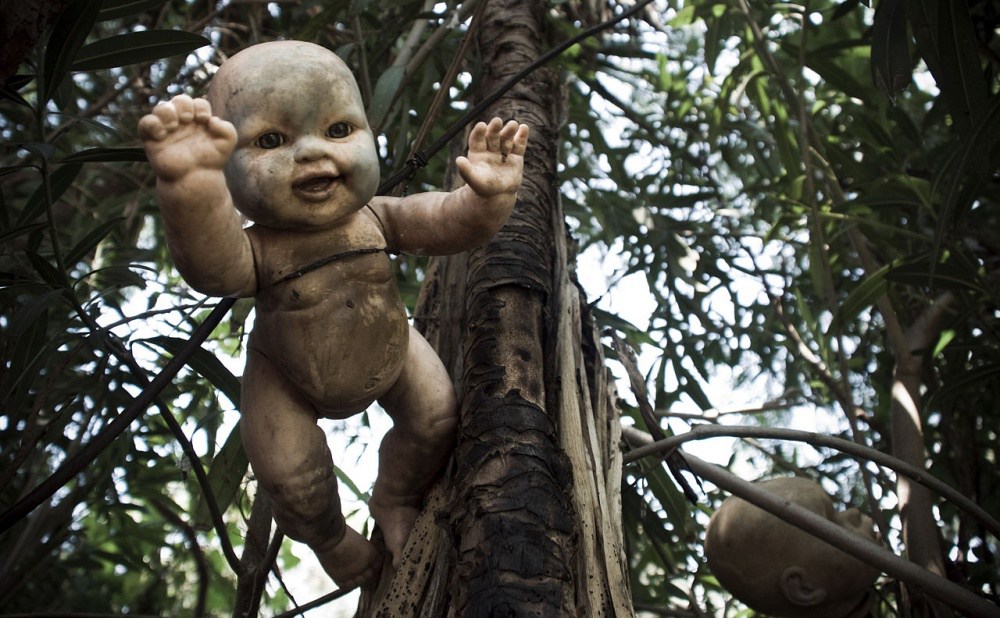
(339, 130)
(269, 141)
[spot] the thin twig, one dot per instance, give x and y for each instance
(702, 432)
(199, 556)
(73, 465)
(413, 165)
(323, 600)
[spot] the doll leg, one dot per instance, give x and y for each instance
(424, 413)
(292, 462)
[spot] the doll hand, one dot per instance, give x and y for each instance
(182, 136)
(495, 160)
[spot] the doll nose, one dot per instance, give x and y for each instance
(309, 148)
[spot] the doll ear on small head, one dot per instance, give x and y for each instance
(797, 588)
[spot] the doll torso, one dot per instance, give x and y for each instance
(339, 332)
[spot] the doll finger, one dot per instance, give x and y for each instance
(222, 128)
(477, 137)
(520, 141)
(493, 135)
(202, 110)
(167, 114)
(507, 134)
(184, 105)
(508, 131)
(151, 128)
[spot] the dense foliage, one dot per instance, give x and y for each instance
(799, 183)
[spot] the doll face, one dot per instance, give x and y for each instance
(305, 156)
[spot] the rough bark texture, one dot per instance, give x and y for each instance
(527, 520)
(21, 25)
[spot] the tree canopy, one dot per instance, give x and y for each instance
(809, 189)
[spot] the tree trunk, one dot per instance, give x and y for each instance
(921, 536)
(527, 519)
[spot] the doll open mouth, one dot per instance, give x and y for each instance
(315, 186)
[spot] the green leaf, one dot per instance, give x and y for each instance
(17, 232)
(670, 498)
(59, 181)
(384, 94)
(947, 336)
(28, 334)
(68, 35)
(925, 273)
(891, 65)
(864, 295)
(45, 270)
(947, 42)
(225, 478)
(106, 155)
(137, 47)
(965, 167)
(967, 382)
(9, 89)
(349, 483)
(91, 240)
(113, 9)
(117, 277)
(685, 16)
(206, 364)
(960, 56)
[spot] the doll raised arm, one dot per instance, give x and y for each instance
(436, 223)
(188, 149)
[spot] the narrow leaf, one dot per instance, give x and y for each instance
(967, 382)
(28, 336)
(925, 273)
(960, 57)
(45, 270)
(947, 43)
(947, 336)
(17, 232)
(68, 35)
(350, 484)
(864, 295)
(891, 65)
(225, 478)
(59, 181)
(206, 364)
(113, 9)
(966, 166)
(136, 47)
(384, 94)
(106, 155)
(10, 87)
(91, 240)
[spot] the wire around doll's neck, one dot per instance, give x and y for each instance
(320, 263)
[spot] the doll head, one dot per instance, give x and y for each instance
(305, 156)
(778, 569)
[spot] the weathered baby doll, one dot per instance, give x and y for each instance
(289, 146)
(778, 569)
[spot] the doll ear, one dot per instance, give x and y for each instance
(797, 588)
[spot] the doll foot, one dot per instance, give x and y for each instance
(352, 561)
(396, 521)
